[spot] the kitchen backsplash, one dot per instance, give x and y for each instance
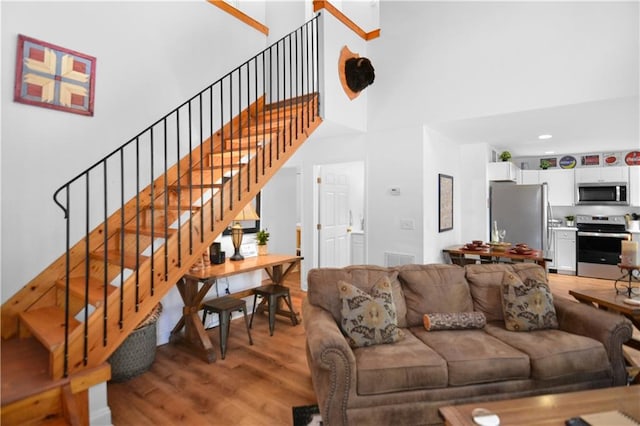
(561, 212)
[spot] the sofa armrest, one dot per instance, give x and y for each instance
(611, 329)
(331, 361)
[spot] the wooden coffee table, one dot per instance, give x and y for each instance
(550, 410)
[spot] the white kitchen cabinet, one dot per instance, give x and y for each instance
(634, 186)
(602, 174)
(529, 177)
(503, 171)
(564, 260)
(560, 184)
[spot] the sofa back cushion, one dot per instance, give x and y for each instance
(322, 288)
(530, 270)
(485, 283)
(433, 288)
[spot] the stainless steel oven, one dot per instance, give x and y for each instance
(599, 245)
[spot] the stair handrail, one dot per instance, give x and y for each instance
(255, 85)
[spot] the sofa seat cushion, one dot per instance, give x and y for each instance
(474, 356)
(406, 365)
(555, 354)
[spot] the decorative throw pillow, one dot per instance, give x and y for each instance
(369, 319)
(454, 321)
(527, 305)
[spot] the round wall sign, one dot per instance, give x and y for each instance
(568, 162)
(632, 158)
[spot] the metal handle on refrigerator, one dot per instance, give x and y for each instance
(549, 230)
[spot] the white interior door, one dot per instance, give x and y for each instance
(333, 213)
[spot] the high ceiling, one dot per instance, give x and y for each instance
(505, 72)
(612, 124)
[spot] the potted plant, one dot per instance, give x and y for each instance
(262, 236)
(570, 220)
(545, 164)
(505, 156)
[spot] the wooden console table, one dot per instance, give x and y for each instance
(195, 285)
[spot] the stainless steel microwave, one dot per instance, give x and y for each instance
(602, 193)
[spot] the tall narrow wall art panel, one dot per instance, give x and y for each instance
(54, 77)
(445, 196)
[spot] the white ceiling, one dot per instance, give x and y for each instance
(612, 125)
(504, 72)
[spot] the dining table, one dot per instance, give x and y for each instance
(462, 254)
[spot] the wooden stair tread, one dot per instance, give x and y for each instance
(25, 375)
(206, 177)
(182, 208)
(25, 369)
(114, 257)
(266, 122)
(96, 289)
(147, 231)
(47, 325)
(186, 187)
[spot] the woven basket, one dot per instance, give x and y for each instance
(136, 354)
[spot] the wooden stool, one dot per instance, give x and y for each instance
(224, 306)
(271, 293)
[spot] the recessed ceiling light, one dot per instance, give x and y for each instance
(549, 152)
(543, 137)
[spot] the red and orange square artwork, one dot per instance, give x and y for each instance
(54, 77)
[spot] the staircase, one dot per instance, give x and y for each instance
(183, 183)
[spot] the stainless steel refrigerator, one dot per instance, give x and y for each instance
(523, 211)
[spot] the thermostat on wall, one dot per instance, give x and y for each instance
(394, 191)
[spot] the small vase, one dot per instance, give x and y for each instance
(262, 249)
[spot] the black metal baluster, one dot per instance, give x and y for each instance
(179, 188)
(137, 253)
(85, 352)
(152, 213)
(190, 178)
(121, 318)
(166, 202)
(105, 277)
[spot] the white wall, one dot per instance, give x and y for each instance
(279, 210)
(151, 56)
(474, 59)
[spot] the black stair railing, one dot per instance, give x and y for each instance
(168, 175)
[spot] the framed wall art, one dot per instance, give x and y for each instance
(445, 198)
(53, 77)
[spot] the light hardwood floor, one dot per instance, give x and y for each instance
(254, 385)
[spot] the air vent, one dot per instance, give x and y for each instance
(396, 259)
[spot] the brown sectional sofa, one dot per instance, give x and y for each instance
(407, 381)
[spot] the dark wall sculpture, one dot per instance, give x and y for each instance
(359, 73)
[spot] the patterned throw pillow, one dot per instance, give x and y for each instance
(527, 306)
(454, 321)
(369, 319)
